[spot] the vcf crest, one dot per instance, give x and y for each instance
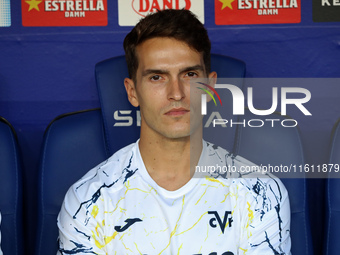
(217, 221)
(143, 7)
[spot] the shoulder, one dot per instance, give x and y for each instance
(97, 192)
(220, 163)
(266, 190)
(245, 177)
(108, 175)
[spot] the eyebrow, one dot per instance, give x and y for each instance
(192, 68)
(162, 71)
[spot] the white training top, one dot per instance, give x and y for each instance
(117, 208)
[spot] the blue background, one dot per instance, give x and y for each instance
(48, 71)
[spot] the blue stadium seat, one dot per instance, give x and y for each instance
(332, 244)
(277, 146)
(73, 144)
(76, 142)
(10, 192)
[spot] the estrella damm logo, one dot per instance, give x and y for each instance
(244, 12)
(38, 13)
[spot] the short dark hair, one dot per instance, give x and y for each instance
(181, 25)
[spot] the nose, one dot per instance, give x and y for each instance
(176, 90)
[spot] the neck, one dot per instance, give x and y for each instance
(171, 162)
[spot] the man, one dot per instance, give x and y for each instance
(144, 199)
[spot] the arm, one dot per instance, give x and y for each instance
(80, 230)
(266, 224)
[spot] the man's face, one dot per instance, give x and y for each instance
(162, 89)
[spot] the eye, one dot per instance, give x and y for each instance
(191, 74)
(155, 78)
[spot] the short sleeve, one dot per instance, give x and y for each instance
(80, 230)
(266, 219)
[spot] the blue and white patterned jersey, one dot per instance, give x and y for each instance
(117, 208)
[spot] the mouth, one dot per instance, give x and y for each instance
(177, 112)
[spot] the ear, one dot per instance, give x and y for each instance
(131, 91)
(212, 79)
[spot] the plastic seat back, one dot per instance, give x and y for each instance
(280, 146)
(11, 202)
(73, 144)
(332, 232)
